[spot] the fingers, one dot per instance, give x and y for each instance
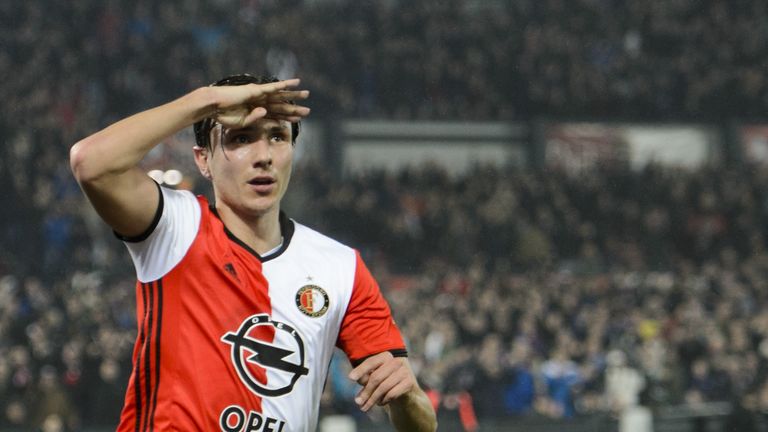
(255, 114)
(289, 119)
(288, 112)
(288, 95)
(234, 117)
(241, 116)
(261, 93)
(384, 379)
(274, 86)
(287, 109)
(251, 95)
(279, 106)
(367, 366)
(382, 388)
(396, 391)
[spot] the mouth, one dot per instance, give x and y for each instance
(262, 181)
(262, 185)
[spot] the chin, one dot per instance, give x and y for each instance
(260, 209)
(257, 205)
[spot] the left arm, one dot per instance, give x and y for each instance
(389, 381)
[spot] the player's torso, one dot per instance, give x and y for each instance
(241, 345)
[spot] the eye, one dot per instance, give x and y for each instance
(241, 138)
(278, 137)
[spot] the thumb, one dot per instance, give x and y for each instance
(239, 116)
(255, 114)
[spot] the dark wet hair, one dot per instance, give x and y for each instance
(203, 127)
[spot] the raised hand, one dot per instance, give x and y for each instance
(239, 106)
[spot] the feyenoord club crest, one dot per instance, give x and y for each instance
(284, 355)
(312, 301)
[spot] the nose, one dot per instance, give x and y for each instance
(263, 153)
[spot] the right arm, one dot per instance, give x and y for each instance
(105, 164)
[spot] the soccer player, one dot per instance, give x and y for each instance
(239, 308)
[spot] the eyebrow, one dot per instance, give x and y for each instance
(271, 126)
(277, 127)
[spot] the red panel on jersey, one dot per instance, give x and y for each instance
(368, 327)
(183, 377)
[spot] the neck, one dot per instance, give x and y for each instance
(260, 232)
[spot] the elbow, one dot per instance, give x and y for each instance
(79, 162)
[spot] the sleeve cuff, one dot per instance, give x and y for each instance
(401, 352)
(143, 236)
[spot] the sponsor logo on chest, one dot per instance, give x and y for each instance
(237, 419)
(260, 344)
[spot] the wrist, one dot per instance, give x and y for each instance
(409, 396)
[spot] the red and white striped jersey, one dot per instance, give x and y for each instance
(232, 341)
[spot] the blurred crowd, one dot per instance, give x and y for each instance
(76, 64)
(537, 293)
(519, 291)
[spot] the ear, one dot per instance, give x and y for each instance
(201, 160)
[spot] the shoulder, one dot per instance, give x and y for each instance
(174, 230)
(182, 196)
(306, 237)
(171, 198)
(183, 209)
(312, 249)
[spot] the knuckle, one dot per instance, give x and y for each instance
(377, 396)
(375, 380)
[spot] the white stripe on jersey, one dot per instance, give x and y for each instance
(310, 259)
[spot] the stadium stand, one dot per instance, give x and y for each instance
(523, 294)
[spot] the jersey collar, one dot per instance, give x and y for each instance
(286, 230)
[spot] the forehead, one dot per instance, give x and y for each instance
(260, 125)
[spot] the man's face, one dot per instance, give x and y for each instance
(250, 167)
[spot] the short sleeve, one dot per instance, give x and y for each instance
(166, 242)
(368, 327)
